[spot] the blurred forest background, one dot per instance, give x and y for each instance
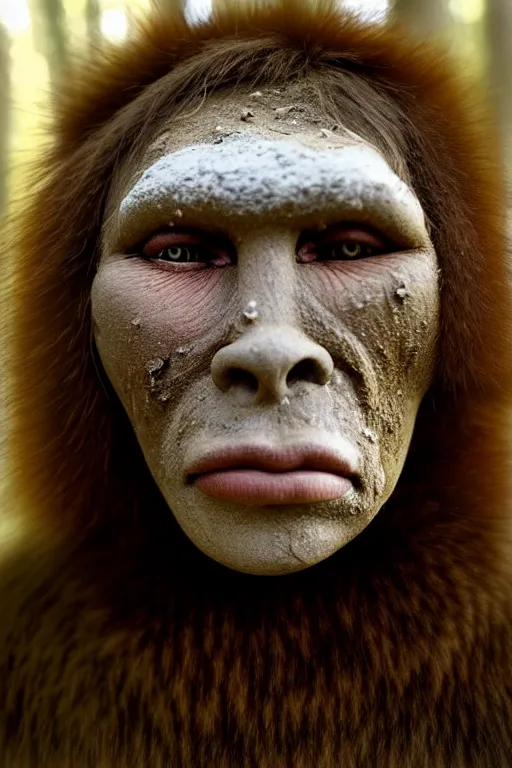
(36, 37)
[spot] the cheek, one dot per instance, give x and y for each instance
(390, 305)
(388, 308)
(146, 318)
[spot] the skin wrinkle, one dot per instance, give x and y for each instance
(160, 368)
(383, 415)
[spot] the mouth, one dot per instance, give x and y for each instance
(262, 475)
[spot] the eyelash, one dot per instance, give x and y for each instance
(308, 250)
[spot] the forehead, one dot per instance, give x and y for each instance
(248, 152)
(271, 112)
(288, 111)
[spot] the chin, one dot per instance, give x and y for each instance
(268, 540)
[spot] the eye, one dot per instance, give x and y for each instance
(351, 249)
(188, 247)
(179, 253)
(342, 242)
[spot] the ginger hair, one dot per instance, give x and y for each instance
(68, 443)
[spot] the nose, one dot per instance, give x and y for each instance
(268, 362)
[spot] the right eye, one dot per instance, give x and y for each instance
(182, 254)
(189, 247)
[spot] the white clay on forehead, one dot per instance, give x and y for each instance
(252, 175)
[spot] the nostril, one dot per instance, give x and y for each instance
(307, 370)
(265, 364)
(238, 378)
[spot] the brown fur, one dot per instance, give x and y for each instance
(120, 644)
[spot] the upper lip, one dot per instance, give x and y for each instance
(271, 459)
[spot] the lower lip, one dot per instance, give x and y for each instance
(247, 486)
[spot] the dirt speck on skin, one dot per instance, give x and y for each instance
(370, 435)
(251, 312)
(246, 114)
(281, 112)
(155, 367)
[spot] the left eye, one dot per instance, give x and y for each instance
(347, 249)
(343, 242)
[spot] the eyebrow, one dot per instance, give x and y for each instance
(254, 176)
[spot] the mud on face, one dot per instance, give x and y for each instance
(266, 307)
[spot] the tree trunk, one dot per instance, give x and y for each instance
(427, 18)
(5, 111)
(50, 39)
(93, 22)
(499, 39)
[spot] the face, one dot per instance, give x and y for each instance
(266, 308)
